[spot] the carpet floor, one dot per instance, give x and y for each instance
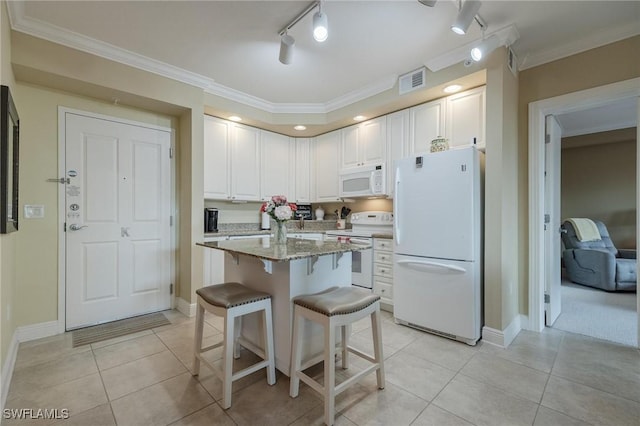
(98, 333)
(597, 313)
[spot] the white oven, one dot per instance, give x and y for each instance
(361, 261)
(364, 226)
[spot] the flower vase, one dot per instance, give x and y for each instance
(281, 233)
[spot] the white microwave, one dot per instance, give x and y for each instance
(365, 181)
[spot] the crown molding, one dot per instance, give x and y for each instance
(594, 40)
(43, 30)
(507, 36)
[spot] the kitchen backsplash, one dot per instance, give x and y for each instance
(243, 213)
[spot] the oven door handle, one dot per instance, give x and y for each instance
(361, 240)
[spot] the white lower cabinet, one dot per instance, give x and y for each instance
(213, 259)
(383, 272)
(213, 263)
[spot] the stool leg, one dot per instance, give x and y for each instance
(346, 333)
(227, 359)
(329, 372)
(296, 348)
(237, 327)
(267, 332)
(377, 346)
(197, 341)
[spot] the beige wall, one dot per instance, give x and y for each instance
(37, 293)
(597, 67)
(599, 182)
(7, 242)
(501, 218)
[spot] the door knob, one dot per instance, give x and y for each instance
(76, 227)
(124, 232)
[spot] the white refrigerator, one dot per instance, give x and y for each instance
(437, 272)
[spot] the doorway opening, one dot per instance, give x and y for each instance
(597, 182)
(539, 263)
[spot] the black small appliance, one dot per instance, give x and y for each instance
(210, 219)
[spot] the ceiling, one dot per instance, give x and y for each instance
(230, 48)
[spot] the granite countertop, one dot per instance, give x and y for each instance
(265, 248)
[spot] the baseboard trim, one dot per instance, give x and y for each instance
(189, 309)
(7, 369)
(37, 331)
(502, 338)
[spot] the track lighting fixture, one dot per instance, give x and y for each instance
(286, 48)
(320, 26)
(466, 15)
(320, 31)
(485, 47)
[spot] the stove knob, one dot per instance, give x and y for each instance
(354, 217)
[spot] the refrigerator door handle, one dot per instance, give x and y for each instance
(396, 214)
(426, 265)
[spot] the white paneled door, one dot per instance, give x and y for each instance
(117, 207)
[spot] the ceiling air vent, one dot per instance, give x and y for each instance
(412, 81)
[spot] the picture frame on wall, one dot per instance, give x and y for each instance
(9, 149)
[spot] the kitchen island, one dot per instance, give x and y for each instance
(285, 271)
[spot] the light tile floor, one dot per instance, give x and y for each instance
(548, 378)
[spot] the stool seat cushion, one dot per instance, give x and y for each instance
(337, 300)
(229, 295)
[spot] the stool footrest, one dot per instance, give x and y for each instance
(255, 367)
(361, 354)
(355, 378)
(253, 348)
(210, 347)
(311, 382)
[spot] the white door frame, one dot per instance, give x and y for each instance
(62, 283)
(571, 102)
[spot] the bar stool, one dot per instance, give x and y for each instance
(335, 307)
(232, 301)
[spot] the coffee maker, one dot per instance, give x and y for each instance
(210, 220)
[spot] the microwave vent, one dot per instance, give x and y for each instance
(412, 81)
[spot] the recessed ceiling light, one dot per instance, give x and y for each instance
(452, 88)
(235, 118)
(359, 118)
(300, 127)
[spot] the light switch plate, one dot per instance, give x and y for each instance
(33, 211)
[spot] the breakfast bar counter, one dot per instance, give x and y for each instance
(285, 271)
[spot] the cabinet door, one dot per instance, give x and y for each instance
(274, 167)
(217, 135)
(302, 180)
(397, 144)
(466, 118)
(372, 144)
(350, 147)
(245, 163)
(427, 123)
(327, 160)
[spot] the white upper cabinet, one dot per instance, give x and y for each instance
(231, 161)
(364, 143)
(466, 118)
(303, 163)
(217, 136)
(277, 165)
(327, 161)
(245, 163)
(398, 125)
(427, 123)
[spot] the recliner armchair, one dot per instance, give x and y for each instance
(598, 263)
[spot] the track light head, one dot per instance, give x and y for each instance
(485, 47)
(320, 26)
(286, 48)
(465, 16)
